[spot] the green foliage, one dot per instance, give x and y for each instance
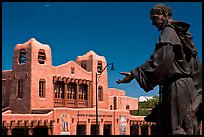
(149, 103)
(143, 106)
(142, 112)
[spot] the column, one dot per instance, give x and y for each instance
(201, 129)
(10, 127)
(128, 127)
(101, 126)
(88, 127)
(139, 128)
(77, 93)
(49, 131)
(30, 131)
(9, 132)
(67, 82)
(149, 127)
(90, 94)
(65, 94)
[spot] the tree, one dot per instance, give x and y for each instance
(143, 106)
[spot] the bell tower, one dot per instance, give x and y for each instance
(29, 58)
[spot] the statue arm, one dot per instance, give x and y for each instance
(155, 70)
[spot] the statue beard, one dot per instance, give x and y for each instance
(162, 24)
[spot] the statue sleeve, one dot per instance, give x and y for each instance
(156, 69)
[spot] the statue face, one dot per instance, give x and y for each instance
(157, 20)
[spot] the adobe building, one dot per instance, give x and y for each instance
(38, 98)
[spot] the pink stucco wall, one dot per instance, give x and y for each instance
(20, 109)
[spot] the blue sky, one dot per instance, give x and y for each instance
(120, 31)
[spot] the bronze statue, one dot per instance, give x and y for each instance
(175, 67)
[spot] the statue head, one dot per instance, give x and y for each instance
(160, 15)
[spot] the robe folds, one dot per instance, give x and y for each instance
(175, 67)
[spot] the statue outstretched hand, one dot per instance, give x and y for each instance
(128, 77)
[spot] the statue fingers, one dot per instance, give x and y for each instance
(119, 81)
(124, 73)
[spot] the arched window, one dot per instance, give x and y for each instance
(72, 70)
(99, 67)
(100, 93)
(71, 93)
(83, 91)
(41, 56)
(22, 56)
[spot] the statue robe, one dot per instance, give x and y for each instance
(175, 67)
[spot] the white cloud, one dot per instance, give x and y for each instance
(145, 98)
(47, 5)
(44, 6)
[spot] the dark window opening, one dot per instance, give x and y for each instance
(83, 64)
(81, 129)
(100, 93)
(115, 103)
(42, 88)
(4, 130)
(134, 129)
(83, 89)
(41, 56)
(59, 89)
(144, 129)
(20, 131)
(20, 89)
(72, 70)
(107, 129)
(22, 57)
(93, 129)
(71, 93)
(99, 67)
(40, 130)
(127, 107)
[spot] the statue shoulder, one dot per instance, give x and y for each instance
(168, 35)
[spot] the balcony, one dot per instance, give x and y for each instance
(70, 103)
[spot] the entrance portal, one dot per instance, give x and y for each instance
(107, 129)
(93, 129)
(4, 131)
(134, 129)
(40, 130)
(81, 129)
(20, 131)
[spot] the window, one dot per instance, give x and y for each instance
(22, 57)
(20, 89)
(83, 64)
(99, 67)
(42, 88)
(72, 70)
(100, 93)
(59, 89)
(111, 107)
(41, 56)
(83, 91)
(127, 107)
(71, 93)
(115, 103)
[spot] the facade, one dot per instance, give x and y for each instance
(38, 98)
